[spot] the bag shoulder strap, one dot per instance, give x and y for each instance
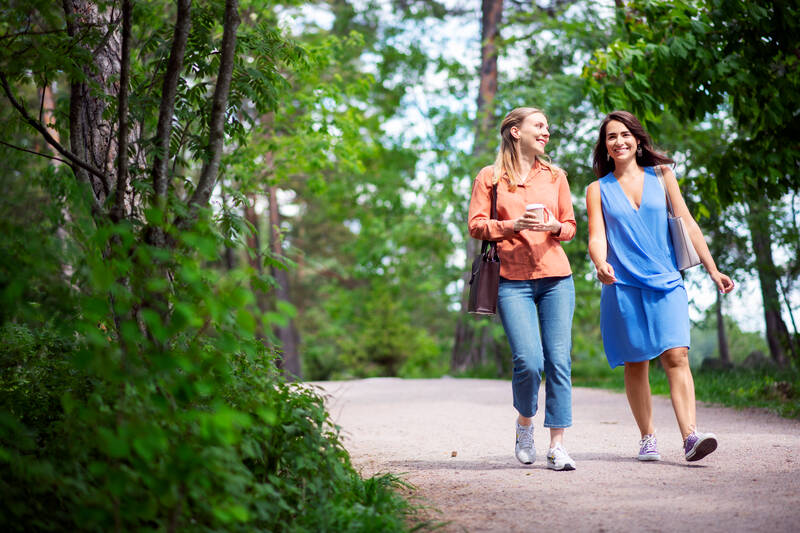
(494, 201)
(491, 244)
(660, 176)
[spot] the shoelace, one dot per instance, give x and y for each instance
(648, 444)
(558, 452)
(525, 437)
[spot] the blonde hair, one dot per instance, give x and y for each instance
(507, 162)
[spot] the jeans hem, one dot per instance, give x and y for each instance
(552, 426)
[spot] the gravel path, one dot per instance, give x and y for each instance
(454, 440)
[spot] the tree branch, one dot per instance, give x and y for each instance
(21, 149)
(46, 134)
(118, 211)
(41, 103)
(216, 135)
(169, 90)
(17, 34)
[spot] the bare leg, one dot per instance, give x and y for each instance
(524, 420)
(681, 387)
(637, 388)
(556, 436)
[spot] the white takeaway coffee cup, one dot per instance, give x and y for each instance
(536, 209)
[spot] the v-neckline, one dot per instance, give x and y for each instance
(631, 202)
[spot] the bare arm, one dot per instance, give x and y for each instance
(723, 282)
(598, 245)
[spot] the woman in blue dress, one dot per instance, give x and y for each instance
(644, 310)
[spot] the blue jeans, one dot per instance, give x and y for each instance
(537, 318)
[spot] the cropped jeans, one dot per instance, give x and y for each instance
(537, 319)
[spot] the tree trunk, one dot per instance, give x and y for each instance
(91, 135)
(472, 337)
(492, 14)
(722, 337)
(794, 338)
(121, 205)
(777, 333)
(219, 105)
(287, 335)
(49, 120)
(166, 111)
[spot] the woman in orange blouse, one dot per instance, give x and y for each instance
(536, 298)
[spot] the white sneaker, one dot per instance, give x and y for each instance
(559, 459)
(524, 449)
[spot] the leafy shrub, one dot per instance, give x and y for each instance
(157, 406)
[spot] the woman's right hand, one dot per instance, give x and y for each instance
(723, 282)
(605, 273)
(526, 221)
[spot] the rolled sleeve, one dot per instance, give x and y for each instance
(566, 214)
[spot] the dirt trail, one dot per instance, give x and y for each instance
(412, 427)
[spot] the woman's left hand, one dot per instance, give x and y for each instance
(550, 223)
(724, 283)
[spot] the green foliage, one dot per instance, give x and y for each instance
(740, 343)
(136, 392)
(188, 426)
(375, 337)
(698, 58)
(361, 222)
(596, 373)
(778, 391)
(767, 388)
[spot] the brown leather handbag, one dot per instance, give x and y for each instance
(485, 278)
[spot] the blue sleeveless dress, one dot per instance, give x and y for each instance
(646, 311)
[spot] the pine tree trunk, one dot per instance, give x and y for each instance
(91, 134)
(472, 336)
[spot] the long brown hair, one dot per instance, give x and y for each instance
(507, 162)
(602, 164)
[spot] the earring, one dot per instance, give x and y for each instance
(639, 150)
(608, 156)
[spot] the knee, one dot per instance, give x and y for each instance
(558, 366)
(528, 364)
(641, 368)
(675, 358)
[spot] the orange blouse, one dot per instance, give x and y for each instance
(526, 254)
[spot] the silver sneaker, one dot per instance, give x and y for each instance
(559, 459)
(524, 449)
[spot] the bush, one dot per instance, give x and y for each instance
(262, 454)
(155, 405)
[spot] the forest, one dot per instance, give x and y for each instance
(209, 203)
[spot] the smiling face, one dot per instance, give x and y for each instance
(533, 133)
(620, 142)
